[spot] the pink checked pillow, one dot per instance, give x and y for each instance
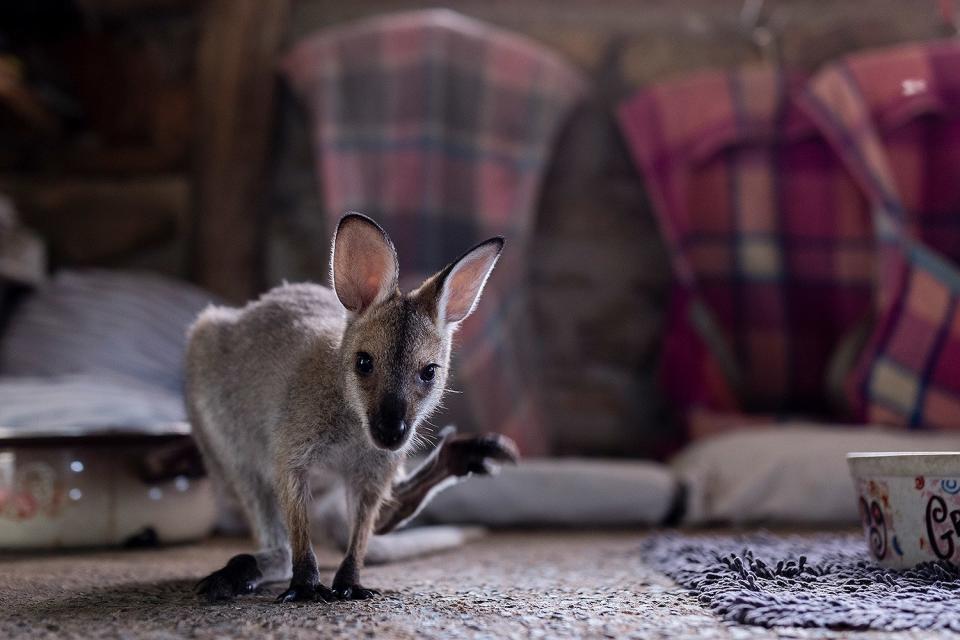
(441, 127)
(894, 117)
(909, 374)
(769, 236)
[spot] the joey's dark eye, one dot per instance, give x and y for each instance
(364, 363)
(428, 372)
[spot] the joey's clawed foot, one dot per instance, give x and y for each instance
(240, 576)
(354, 592)
(481, 454)
(307, 593)
(346, 584)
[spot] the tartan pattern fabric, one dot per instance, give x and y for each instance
(894, 117)
(440, 128)
(769, 236)
(910, 373)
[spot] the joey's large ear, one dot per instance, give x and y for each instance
(458, 287)
(363, 263)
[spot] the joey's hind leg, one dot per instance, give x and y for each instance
(240, 576)
(243, 573)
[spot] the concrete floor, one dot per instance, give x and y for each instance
(516, 585)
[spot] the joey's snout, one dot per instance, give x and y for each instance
(389, 425)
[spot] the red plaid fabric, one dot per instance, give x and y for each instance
(894, 116)
(440, 128)
(769, 235)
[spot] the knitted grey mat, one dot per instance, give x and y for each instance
(826, 581)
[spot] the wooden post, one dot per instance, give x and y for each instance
(236, 76)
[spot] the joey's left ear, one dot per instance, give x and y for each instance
(456, 289)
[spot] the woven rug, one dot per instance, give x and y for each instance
(825, 581)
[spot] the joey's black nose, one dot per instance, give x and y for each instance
(389, 427)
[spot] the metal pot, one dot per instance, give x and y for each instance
(102, 490)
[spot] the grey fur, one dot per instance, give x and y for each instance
(272, 392)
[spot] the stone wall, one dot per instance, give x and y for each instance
(599, 273)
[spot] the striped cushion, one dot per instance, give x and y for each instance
(104, 323)
(87, 404)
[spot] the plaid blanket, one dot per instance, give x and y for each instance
(894, 117)
(440, 127)
(770, 239)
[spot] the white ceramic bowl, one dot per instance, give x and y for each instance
(92, 491)
(909, 506)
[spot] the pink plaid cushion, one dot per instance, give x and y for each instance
(769, 235)
(910, 372)
(894, 116)
(440, 127)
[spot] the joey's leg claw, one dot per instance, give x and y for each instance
(478, 454)
(355, 592)
(307, 593)
(240, 576)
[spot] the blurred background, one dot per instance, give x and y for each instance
(156, 155)
(158, 134)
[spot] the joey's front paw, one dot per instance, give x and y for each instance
(240, 576)
(354, 592)
(307, 593)
(476, 454)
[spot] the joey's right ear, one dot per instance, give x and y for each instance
(453, 293)
(363, 263)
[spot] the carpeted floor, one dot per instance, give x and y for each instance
(522, 585)
(825, 581)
